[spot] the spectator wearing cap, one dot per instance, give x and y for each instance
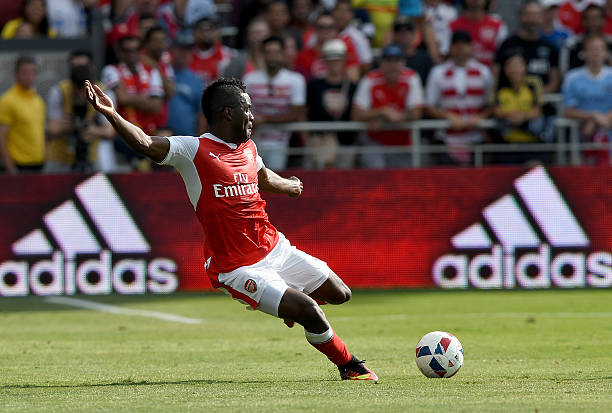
(278, 95)
(185, 117)
(540, 56)
(22, 122)
(308, 61)
(458, 91)
(330, 99)
(209, 57)
(344, 16)
(393, 94)
(587, 97)
(251, 58)
(416, 58)
(487, 31)
(440, 15)
(571, 55)
(552, 31)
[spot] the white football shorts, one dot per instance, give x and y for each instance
(262, 285)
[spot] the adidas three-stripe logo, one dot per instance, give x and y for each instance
(81, 246)
(533, 240)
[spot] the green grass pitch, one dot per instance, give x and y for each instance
(525, 351)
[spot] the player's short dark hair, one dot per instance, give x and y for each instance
(273, 39)
(22, 60)
(220, 94)
(152, 31)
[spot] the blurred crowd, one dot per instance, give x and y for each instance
(375, 61)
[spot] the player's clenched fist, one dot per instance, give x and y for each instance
(296, 187)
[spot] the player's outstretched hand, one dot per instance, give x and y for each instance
(296, 187)
(101, 102)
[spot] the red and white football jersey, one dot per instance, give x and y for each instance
(222, 185)
(487, 34)
(143, 82)
(209, 65)
(374, 92)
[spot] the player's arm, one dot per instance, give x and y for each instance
(154, 147)
(270, 181)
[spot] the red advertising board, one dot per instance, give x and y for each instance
(500, 227)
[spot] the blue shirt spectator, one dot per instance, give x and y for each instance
(587, 92)
(184, 109)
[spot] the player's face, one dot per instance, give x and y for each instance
(243, 118)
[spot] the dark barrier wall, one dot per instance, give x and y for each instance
(453, 228)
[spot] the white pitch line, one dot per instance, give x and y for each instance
(485, 315)
(91, 305)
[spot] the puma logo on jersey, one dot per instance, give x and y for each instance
(214, 156)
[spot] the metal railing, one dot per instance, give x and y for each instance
(566, 147)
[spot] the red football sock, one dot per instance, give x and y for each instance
(331, 345)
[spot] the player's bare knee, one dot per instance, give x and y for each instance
(342, 295)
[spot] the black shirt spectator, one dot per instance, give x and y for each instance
(541, 57)
(330, 102)
(417, 58)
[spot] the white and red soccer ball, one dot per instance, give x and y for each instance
(439, 354)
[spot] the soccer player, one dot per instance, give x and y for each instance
(246, 255)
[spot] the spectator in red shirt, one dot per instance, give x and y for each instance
(392, 93)
(155, 56)
(309, 62)
(344, 15)
(209, 57)
(486, 30)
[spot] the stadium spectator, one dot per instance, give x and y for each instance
(180, 14)
(155, 57)
(440, 15)
(571, 11)
(139, 92)
(303, 14)
(587, 97)
(80, 139)
(209, 57)
(382, 13)
(243, 11)
(518, 108)
(184, 109)
(486, 30)
(344, 16)
(331, 99)
(278, 95)
(392, 93)
(251, 58)
(571, 53)
(25, 31)
(35, 13)
(540, 56)
(308, 61)
(68, 18)
(277, 16)
(552, 31)
(145, 23)
(459, 91)
(22, 122)
(417, 58)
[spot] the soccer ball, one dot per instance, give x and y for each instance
(439, 354)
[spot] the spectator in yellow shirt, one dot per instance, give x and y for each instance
(22, 121)
(35, 13)
(518, 107)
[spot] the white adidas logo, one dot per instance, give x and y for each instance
(532, 239)
(82, 264)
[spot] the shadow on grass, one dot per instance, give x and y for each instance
(152, 383)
